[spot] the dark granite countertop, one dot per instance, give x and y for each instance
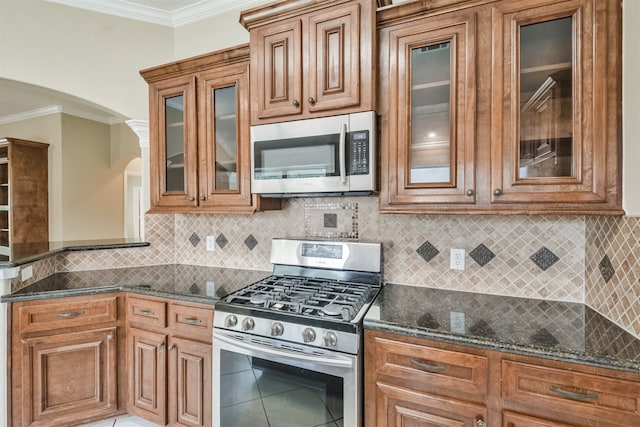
(176, 281)
(23, 253)
(564, 331)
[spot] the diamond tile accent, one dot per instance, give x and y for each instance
(330, 220)
(194, 289)
(194, 239)
(606, 269)
(251, 242)
(482, 255)
(544, 338)
(222, 241)
(427, 251)
(544, 258)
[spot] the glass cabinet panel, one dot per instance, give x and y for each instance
(546, 102)
(225, 125)
(430, 157)
(174, 143)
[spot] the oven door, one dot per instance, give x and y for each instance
(261, 382)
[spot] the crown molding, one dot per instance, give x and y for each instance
(58, 109)
(175, 18)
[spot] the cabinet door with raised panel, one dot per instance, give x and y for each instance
(67, 378)
(428, 102)
(276, 72)
(224, 146)
(554, 117)
(147, 374)
(190, 382)
(173, 150)
(334, 58)
(399, 407)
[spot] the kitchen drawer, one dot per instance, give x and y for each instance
(56, 315)
(191, 320)
(432, 369)
(596, 397)
(146, 312)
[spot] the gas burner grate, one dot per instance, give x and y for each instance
(308, 296)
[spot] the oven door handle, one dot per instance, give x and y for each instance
(292, 355)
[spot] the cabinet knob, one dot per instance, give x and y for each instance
(311, 100)
(469, 193)
(481, 423)
(497, 192)
(202, 198)
(296, 103)
(160, 345)
(171, 347)
(191, 198)
(110, 337)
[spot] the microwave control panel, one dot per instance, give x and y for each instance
(359, 153)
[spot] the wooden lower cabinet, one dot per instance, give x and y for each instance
(190, 382)
(400, 407)
(416, 382)
(57, 390)
(147, 375)
(169, 359)
(65, 367)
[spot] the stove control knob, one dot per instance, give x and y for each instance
(309, 335)
(330, 339)
(247, 324)
(230, 321)
(277, 329)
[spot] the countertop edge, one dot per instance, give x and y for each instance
(503, 346)
(141, 290)
(72, 248)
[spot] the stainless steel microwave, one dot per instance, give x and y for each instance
(324, 156)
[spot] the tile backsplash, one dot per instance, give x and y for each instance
(547, 257)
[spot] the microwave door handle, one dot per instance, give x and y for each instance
(343, 168)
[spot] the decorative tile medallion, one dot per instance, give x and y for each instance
(331, 220)
(482, 255)
(427, 251)
(194, 239)
(544, 258)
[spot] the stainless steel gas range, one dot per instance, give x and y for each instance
(287, 350)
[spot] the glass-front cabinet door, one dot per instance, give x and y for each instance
(549, 135)
(428, 147)
(223, 145)
(174, 156)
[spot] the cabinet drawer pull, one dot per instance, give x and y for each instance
(572, 395)
(70, 314)
(426, 367)
(192, 321)
(146, 312)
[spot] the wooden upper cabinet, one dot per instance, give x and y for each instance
(199, 135)
(428, 140)
(311, 59)
(501, 106)
(556, 132)
(172, 114)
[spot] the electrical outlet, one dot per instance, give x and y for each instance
(26, 273)
(457, 259)
(211, 243)
(457, 322)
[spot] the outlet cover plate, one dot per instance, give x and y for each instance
(457, 259)
(211, 243)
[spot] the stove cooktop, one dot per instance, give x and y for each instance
(318, 298)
